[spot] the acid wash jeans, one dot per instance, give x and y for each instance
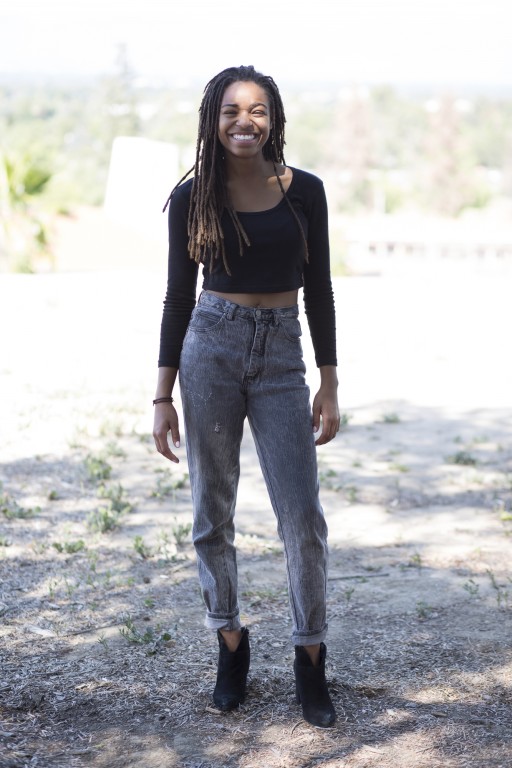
(240, 362)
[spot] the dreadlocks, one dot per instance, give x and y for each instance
(209, 196)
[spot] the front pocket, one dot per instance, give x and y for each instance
(291, 328)
(204, 320)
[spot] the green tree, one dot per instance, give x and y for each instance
(23, 230)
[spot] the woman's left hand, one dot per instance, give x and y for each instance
(325, 406)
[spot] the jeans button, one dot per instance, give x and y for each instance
(258, 313)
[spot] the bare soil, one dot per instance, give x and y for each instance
(104, 660)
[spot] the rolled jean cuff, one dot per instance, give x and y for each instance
(213, 621)
(310, 638)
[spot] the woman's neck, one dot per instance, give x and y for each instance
(251, 168)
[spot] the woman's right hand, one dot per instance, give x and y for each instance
(165, 421)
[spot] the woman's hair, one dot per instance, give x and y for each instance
(208, 196)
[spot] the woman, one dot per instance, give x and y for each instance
(259, 228)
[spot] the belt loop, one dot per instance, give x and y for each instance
(231, 311)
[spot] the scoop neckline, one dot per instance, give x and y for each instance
(274, 207)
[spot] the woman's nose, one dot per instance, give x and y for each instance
(244, 121)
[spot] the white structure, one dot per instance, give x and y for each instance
(141, 175)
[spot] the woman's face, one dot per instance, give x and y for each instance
(244, 119)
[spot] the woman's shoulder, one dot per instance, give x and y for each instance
(183, 190)
(305, 179)
(179, 199)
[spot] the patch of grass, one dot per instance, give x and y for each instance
(114, 449)
(471, 587)
(390, 418)
(141, 548)
(423, 610)
(10, 508)
(4, 542)
(53, 495)
(397, 467)
(102, 640)
(150, 636)
(345, 418)
(111, 427)
(69, 547)
(180, 532)
(462, 458)
(351, 492)
(108, 517)
(347, 594)
(97, 468)
(502, 591)
(167, 485)
(325, 475)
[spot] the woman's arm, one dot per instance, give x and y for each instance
(178, 305)
(319, 305)
(166, 417)
(325, 405)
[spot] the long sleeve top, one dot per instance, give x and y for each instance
(275, 261)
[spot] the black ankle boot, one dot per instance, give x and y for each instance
(311, 689)
(232, 672)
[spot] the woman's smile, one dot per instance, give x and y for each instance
(244, 119)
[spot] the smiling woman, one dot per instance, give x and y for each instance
(259, 229)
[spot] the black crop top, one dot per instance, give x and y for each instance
(274, 262)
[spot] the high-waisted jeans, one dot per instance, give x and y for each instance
(242, 362)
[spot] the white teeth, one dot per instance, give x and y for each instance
(243, 136)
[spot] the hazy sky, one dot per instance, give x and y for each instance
(396, 41)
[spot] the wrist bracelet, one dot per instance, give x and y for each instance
(163, 400)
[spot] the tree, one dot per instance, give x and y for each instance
(23, 232)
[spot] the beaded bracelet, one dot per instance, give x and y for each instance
(163, 400)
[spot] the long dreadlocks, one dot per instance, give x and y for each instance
(209, 198)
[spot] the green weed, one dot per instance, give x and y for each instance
(168, 485)
(345, 418)
(463, 458)
(69, 547)
(397, 467)
(133, 635)
(351, 494)
(102, 640)
(472, 587)
(390, 418)
(114, 449)
(141, 548)
(97, 468)
(10, 508)
(502, 592)
(349, 591)
(110, 427)
(108, 517)
(423, 610)
(180, 532)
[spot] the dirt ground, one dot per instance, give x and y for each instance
(103, 657)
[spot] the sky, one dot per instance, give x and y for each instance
(365, 41)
